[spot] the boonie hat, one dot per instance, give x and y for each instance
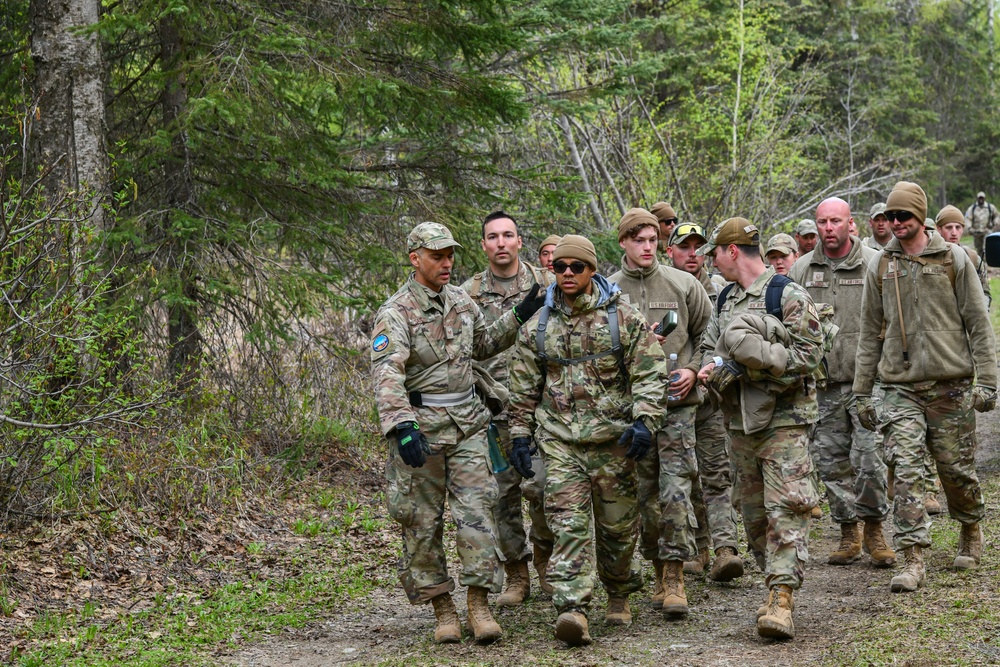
(738, 231)
(877, 209)
(683, 232)
(431, 235)
(806, 226)
(782, 243)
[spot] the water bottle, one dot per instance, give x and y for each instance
(498, 462)
(674, 376)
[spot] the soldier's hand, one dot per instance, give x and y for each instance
(412, 444)
(866, 413)
(984, 399)
(530, 305)
(640, 437)
(723, 375)
(520, 457)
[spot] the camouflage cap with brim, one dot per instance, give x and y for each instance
(431, 235)
(782, 243)
(682, 233)
(877, 210)
(981, 195)
(805, 227)
(734, 231)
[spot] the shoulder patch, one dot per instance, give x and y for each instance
(380, 343)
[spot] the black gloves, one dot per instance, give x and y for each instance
(640, 437)
(530, 305)
(413, 448)
(520, 457)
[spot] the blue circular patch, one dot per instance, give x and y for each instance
(380, 343)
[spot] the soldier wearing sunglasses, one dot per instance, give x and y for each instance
(591, 407)
(666, 218)
(925, 332)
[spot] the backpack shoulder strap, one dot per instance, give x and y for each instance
(723, 295)
(477, 284)
(772, 297)
(616, 341)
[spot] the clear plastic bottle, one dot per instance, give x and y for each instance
(673, 375)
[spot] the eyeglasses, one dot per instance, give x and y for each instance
(688, 228)
(902, 216)
(576, 267)
(668, 221)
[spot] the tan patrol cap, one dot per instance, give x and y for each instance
(877, 210)
(431, 235)
(782, 243)
(738, 231)
(806, 226)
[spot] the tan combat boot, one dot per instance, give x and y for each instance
(881, 554)
(481, 622)
(761, 610)
(571, 627)
(674, 600)
(449, 629)
(727, 566)
(517, 586)
(777, 623)
(618, 612)
(540, 559)
(970, 547)
(700, 562)
(931, 504)
(850, 545)
(816, 513)
(911, 578)
(658, 565)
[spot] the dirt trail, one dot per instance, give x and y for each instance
(720, 630)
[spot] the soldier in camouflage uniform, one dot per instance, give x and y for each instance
(711, 495)
(981, 218)
(760, 367)
(667, 477)
(591, 408)
(950, 225)
(780, 253)
(850, 457)
(496, 290)
(922, 314)
(806, 236)
(425, 338)
(881, 230)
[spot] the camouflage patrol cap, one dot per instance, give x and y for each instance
(877, 210)
(431, 235)
(782, 243)
(949, 214)
(736, 231)
(683, 232)
(982, 195)
(806, 226)
(929, 223)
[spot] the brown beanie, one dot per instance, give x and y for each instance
(576, 247)
(949, 214)
(551, 239)
(906, 196)
(663, 211)
(635, 218)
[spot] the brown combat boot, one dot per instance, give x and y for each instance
(777, 623)
(931, 504)
(618, 612)
(674, 600)
(517, 586)
(850, 545)
(816, 513)
(761, 610)
(881, 554)
(658, 565)
(540, 558)
(970, 547)
(571, 627)
(700, 562)
(727, 566)
(481, 622)
(911, 578)
(449, 629)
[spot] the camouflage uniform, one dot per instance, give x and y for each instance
(850, 457)
(577, 413)
(494, 298)
(928, 403)
(713, 497)
(667, 521)
(773, 463)
(979, 221)
(870, 242)
(425, 342)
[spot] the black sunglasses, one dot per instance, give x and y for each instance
(669, 221)
(902, 216)
(575, 267)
